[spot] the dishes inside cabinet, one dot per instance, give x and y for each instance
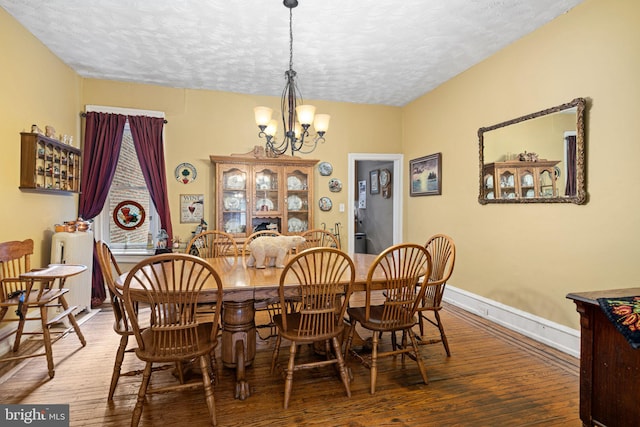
(264, 205)
(294, 183)
(296, 225)
(231, 203)
(235, 182)
(294, 203)
(233, 226)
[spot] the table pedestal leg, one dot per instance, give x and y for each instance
(238, 341)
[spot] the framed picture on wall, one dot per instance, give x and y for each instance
(191, 208)
(426, 175)
(374, 182)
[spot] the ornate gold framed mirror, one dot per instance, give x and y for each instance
(537, 158)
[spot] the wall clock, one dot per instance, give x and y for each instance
(385, 183)
(129, 215)
(185, 173)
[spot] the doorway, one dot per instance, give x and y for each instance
(395, 224)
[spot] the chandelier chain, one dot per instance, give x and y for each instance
(290, 39)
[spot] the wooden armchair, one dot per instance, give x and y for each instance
(318, 237)
(121, 324)
(325, 275)
(397, 271)
(170, 284)
(443, 256)
(21, 294)
(213, 244)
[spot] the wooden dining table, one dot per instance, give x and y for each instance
(243, 286)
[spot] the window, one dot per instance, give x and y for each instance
(128, 185)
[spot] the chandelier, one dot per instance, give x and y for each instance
(296, 116)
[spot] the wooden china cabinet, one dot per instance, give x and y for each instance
(254, 191)
(520, 180)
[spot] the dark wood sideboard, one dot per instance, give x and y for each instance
(609, 366)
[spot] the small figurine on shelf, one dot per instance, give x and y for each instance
(50, 131)
(162, 245)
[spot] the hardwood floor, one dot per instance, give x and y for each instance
(494, 378)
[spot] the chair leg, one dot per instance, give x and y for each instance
(72, 319)
(288, 383)
(208, 389)
(137, 411)
(416, 352)
(442, 334)
(46, 337)
(347, 345)
(374, 363)
(16, 344)
(344, 375)
(421, 323)
(276, 352)
(115, 376)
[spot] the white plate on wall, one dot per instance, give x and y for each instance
(325, 204)
(325, 168)
(335, 185)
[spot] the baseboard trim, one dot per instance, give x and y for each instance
(537, 328)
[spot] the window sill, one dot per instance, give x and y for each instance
(132, 256)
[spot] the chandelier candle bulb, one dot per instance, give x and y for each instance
(263, 115)
(321, 123)
(272, 128)
(305, 114)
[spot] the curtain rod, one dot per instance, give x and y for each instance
(85, 115)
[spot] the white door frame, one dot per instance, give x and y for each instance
(396, 191)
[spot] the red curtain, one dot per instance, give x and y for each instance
(570, 190)
(147, 138)
(102, 142)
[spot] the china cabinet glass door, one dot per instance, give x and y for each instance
(527, 183)
(507, 184)
(266, 197)
(234, 201)
(297, 200)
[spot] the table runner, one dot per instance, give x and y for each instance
(624, 313)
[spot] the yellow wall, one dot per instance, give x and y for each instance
(201, 123)
(531, 256)
(38, 88)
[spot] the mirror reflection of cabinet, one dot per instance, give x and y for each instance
(520, 180)
(253, 190)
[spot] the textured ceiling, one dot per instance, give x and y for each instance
(365, 51)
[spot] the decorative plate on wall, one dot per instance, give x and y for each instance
(185, 173)
(325, 168)
(129, 215)
(325, 204)
(335, 185)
